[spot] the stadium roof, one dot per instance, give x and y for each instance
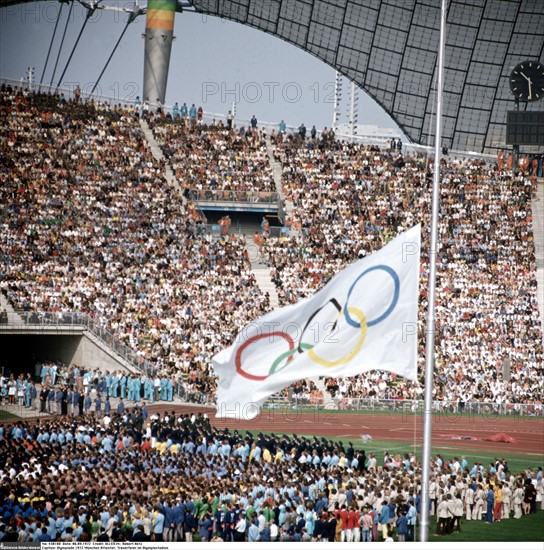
(389, 48)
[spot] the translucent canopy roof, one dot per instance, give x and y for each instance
(389, 48)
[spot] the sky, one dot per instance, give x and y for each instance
(213, 63)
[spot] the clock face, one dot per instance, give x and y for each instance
(527, 81)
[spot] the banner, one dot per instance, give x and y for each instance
(364, 319)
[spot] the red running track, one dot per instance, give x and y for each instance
(528, 432)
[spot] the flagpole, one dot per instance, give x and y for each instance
(429, 346)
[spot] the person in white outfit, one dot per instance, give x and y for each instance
(506, 500)
(479, 498)
(517, 499)
(469, 502)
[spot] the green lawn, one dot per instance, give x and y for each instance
(525, 529)
(4, 415)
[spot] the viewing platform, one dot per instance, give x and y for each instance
(239, 201)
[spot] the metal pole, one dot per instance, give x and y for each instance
(352, 111)
(429, 347)
(337, 101)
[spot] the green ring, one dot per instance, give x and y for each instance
(283, 356)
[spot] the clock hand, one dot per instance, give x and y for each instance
(530, 96)
(525, 77)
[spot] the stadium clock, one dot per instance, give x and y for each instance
(527, 81)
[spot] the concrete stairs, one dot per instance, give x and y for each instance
(538, 232)
(13, 317)
(262, 275)
(158, 154)
(277, 171)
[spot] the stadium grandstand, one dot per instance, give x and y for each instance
(138, 239)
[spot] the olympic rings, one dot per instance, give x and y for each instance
(338, 307)
(363, 326)
(288, 354)
(249, 341)
(391, 307)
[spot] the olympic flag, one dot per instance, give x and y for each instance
(365, 318)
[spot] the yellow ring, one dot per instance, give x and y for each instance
(325, 362)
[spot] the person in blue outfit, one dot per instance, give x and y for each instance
(205, 526)
(169, 390)
(123, 386)
(163, 389)
(490, 504)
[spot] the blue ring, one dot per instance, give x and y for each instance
(391, 307)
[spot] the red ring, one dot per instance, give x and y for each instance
(238, 358)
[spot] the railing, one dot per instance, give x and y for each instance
(220, 197)
(393, 406)
(64, 320)
(409, 406)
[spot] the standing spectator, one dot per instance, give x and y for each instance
(402, 526)
(192, 115)
(490, 500)
(158, 524)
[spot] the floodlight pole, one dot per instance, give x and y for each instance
(337, 101)
(431, 320)
(353, 111)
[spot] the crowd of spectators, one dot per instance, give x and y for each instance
(215, 161)
(91, 226)
(350, 199)
(141, 476)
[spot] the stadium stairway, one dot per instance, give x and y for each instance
(538, 231)
(262, 275)
(13, 317)
(277, 171)
(156, 151)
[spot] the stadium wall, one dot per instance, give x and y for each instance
(21, 350)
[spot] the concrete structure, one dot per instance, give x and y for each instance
(71, 344)
(159, 34)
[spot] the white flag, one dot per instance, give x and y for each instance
(365, 318)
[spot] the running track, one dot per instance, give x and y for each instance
(529, 432)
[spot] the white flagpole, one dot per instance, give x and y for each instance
(431, 321)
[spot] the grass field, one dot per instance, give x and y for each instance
(525, 529)
(4, 415)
